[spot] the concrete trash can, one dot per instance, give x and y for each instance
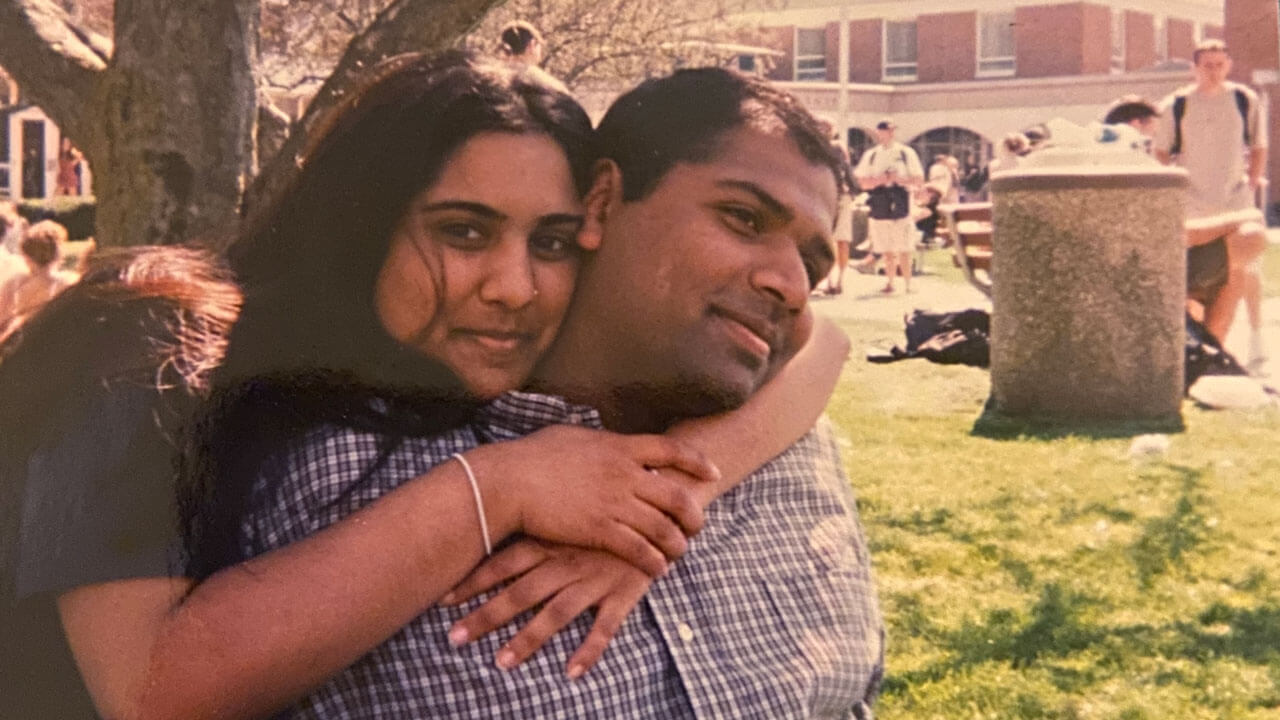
(1088, 296)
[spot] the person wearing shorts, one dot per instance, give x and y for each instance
(888, 171)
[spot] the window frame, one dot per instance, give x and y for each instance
(979, 60)
(813, 73)
(1119, 41)
(885, 65)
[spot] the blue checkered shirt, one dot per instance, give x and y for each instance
(770, 614)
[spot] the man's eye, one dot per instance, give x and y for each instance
(741, 219)
(552, 247)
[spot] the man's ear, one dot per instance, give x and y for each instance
(605, 194)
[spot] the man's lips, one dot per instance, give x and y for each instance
(753, 332)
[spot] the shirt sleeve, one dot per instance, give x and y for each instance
(864, 164)
(1257, 128)
(100, 503)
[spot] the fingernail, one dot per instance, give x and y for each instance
(575, 671)
(458, 636)
(506, 659)
(448, 598)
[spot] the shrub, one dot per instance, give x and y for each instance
(75, 213)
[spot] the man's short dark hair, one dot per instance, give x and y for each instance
(683, 117)
(1129, 108)
(1208, 45)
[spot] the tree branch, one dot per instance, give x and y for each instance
(54, 62)
(405, 25)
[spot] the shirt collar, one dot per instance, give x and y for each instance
(516, 414)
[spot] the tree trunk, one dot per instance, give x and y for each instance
(167, 118)
(173, 118)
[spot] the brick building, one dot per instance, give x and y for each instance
(958, 75)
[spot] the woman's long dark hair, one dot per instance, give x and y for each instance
(309, 348)
(155, 318)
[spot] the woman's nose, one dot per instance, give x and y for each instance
(509, 278)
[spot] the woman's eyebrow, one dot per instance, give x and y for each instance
(472, 207)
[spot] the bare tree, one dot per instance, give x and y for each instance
(172, 111)
(615, 43)
(167, 112)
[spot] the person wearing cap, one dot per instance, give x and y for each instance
(887, 171)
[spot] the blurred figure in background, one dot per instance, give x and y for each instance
(27, 292)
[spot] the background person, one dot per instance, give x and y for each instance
(1214, 129)
(888, 171)
(24, 293)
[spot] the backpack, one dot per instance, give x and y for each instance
(1180, 109)
(889, 202)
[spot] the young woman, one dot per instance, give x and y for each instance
(420, 266)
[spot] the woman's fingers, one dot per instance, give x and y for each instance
(506, 564)
(631, 546)
(656, 526)
(569, 603)
(672, 498)
(657, 451)
(613, 610)
(526, 593)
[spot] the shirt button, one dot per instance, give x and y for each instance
(685, 632)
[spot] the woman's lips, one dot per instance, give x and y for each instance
(499, 342)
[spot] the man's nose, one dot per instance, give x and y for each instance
(509, 278)
(780, 273)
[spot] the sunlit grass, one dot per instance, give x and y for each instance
(1051, 576)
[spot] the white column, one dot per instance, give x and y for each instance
(842, 77)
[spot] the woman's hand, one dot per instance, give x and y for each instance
(595, 489)
(566, 581)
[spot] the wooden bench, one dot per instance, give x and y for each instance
(968, 225)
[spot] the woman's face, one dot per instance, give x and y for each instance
(481, 267)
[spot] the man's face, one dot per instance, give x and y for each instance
(885, 135)
(1212, 68)
(704, 281)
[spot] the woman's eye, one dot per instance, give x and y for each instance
(462, 235)
(553, 246)
(741, 219)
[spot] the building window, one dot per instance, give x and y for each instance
(4, 153)
(811, 54)
(899, 51)
(747, 64)
(1117, 41)
(995, 44)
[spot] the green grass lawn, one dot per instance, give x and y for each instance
(1054, 577)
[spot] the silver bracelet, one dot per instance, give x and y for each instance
(475, 491)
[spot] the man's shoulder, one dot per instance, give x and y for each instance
(1166, 103)
(1241, 89)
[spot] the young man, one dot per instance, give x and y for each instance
(889, 170)
(1214, 129)
(1134, 111)
(712, 213)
